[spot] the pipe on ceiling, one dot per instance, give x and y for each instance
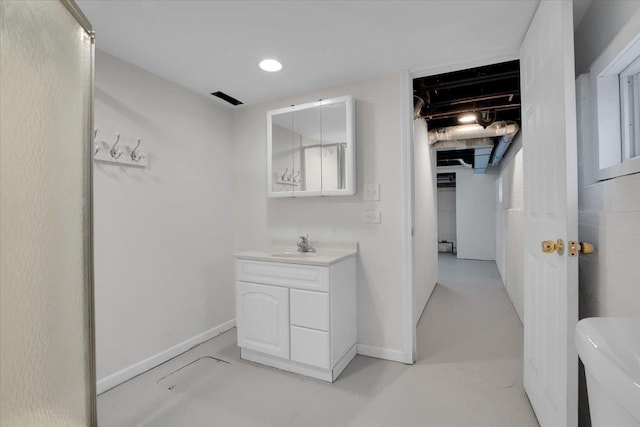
(462, 132)
(454, 113)
(418, 103)
(462, 163)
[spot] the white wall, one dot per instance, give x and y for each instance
(509, 225)
(600, 24)
(257, 219)
(447, 215)
(475, 213)
(609, 211)
(163, 235)
(425, 227)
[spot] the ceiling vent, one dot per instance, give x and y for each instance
(230, 99)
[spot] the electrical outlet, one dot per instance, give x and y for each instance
(372, 217)
(371, 191)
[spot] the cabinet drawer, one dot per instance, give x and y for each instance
(310, 347)
(309, 309)
(281, 274)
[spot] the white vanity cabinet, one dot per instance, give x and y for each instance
(297, 317)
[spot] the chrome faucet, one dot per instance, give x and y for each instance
(304, 245)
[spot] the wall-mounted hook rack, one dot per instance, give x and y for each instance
(112, 152)
(135, 155)
(116, 152)
(96, 146)
(288, 178)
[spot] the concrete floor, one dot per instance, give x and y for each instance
(469, 373)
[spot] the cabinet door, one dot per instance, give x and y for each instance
(263, 318)
(307, 156)
(338, 146)
(281, 147)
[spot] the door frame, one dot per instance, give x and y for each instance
(407, 158)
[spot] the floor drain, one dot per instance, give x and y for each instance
(200, 370)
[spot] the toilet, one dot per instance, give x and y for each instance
(610, 351)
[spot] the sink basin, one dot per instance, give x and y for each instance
(294, 254)
(610, 350)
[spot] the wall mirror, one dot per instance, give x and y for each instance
(311, 149)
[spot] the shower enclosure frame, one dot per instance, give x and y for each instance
(92, 400)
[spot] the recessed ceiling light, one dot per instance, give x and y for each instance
(467, 118)
(270, 65)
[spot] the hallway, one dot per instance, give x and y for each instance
(469, 373)
(470, 348)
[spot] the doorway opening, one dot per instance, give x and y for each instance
(466, 135)
(446, 195)
(471, 120)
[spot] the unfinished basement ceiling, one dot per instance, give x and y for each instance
(489, 96)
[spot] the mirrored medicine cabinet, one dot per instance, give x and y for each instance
(311, 149)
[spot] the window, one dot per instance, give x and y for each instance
(615, 78)
(629, 80)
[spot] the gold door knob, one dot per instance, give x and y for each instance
(549, 246)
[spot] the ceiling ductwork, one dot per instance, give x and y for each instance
(472, 115)
(462, 132)
(480, 139)
(418, 103)
(501, 149)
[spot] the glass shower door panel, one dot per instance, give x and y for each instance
(45, 255)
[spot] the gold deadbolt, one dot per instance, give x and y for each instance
(574, 247)
(549, 246)
(582, 247)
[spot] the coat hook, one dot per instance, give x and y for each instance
(297, 177)
(134, 154)
(116, 153)
(96, 146)
(284, 175)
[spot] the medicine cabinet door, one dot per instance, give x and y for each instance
(307, 156)
(281, 180)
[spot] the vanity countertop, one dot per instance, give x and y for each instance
(285, 251)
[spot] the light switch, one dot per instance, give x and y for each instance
(371, 192)
(372, 217)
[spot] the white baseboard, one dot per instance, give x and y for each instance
(384, 353)
(138, 368)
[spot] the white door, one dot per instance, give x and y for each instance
(550, 179)
(263, 318)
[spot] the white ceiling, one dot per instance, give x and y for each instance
(216, 45)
